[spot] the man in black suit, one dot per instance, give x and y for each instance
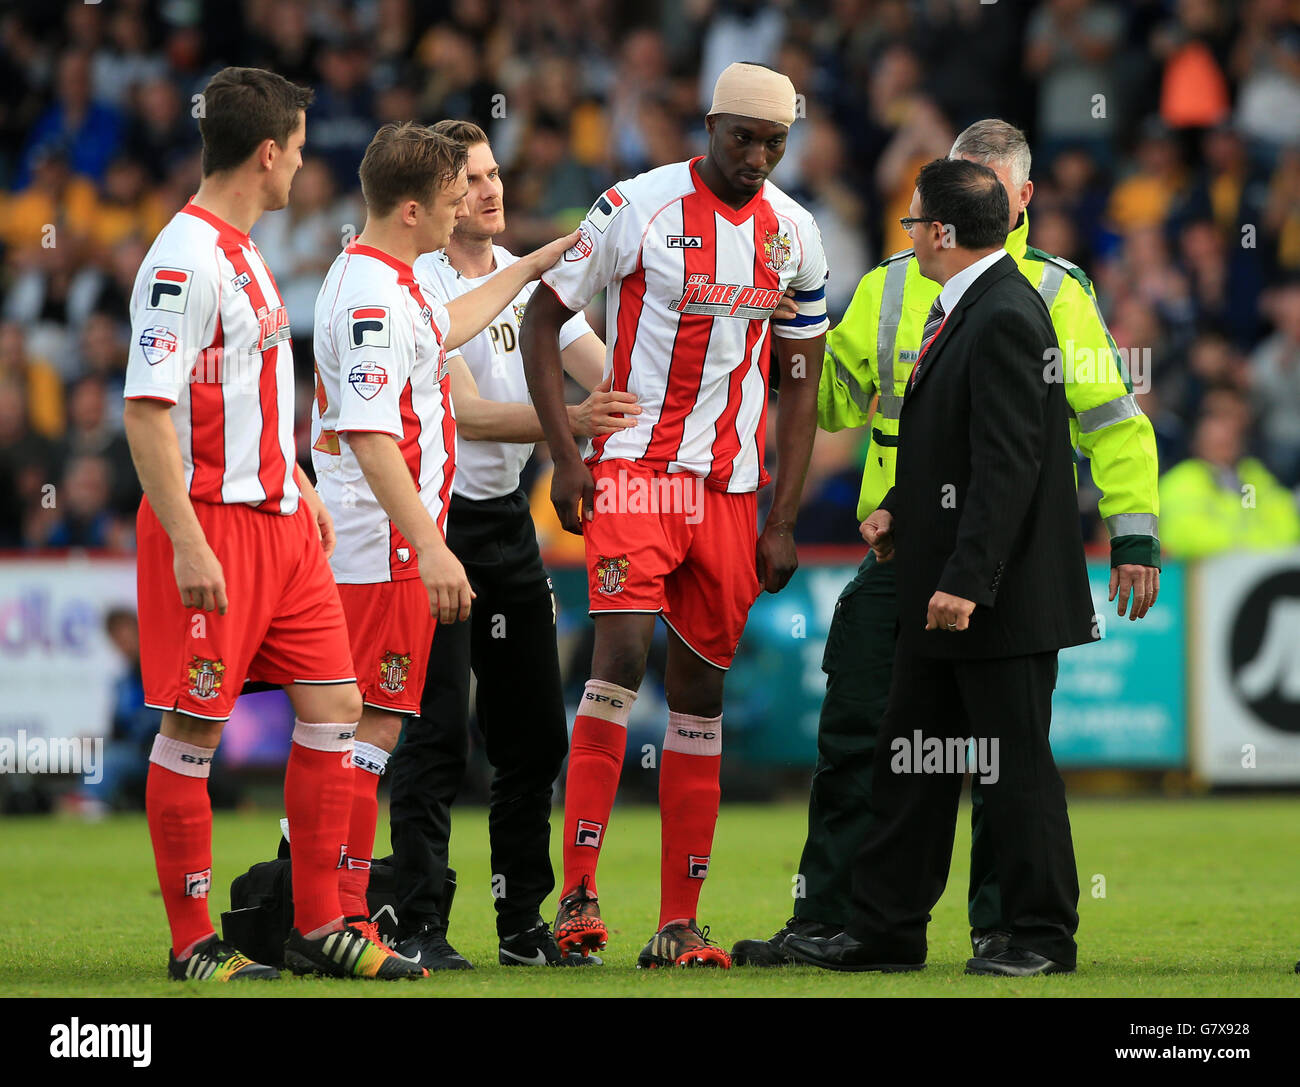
(992, 583)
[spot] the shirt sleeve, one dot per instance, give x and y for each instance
(376, 344)
(809, 285)
(573, 329)
(174, 313)
(608, 248)
(436, 294)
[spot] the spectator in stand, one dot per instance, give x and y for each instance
(1145, 198)
(90, 131)
(54, 197)
(1282, 213)
(1266, 61)
(1275, 383)
(127, 208)
(1069, 45)
(80, 515)
(341, 115)
(1221, 500)
(161, 131)
(90, 434)
(35, 379)
(28, 464)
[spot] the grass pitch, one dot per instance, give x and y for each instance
(1199, 900)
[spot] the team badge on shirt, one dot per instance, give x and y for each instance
(169, 289)
(393, 669)
(776, 248)
(367, 378)
(157, 344)
(611, 573)
(369, 326)
(519, 308)
(205, 677)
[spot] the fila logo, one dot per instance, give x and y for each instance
(343, 855)
(368, 326)
(589, 833)
(241, 281)
(169, 289)
(609, 204)
(696, 734)
(617, 703)
(197, 884)
(697, 867)
(685, 241)
(356, 864)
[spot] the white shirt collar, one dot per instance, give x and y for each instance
(957, 285)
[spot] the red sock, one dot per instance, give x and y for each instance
(368, 762)
(318, 802)
(689, 795)
(595, 762)
(180, 825)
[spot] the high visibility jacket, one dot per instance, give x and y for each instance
(873, 350)
(1203, 516)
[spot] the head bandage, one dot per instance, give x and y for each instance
(750, 90)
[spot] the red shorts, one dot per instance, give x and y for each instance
(391, 629)
(665, 543)
(284, 623)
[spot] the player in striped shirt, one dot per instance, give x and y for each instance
(384, 443)
(233, 542)
(696, 257)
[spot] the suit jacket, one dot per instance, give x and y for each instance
(984, 499)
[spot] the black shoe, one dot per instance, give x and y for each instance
(771, 952)
(429, 948)
(1016, 962)
(843, 952)
(989, 943)
(347, 953)
(216, 960)
(537, 947)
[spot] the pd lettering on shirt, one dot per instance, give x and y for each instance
(369, 326)
(367, 378)
(169, 289)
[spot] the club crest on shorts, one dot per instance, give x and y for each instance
(589, 832)
(697, 867)
(611, 573)
(393, 670)
(205, 677)
(776, 248)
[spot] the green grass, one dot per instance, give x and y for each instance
(1200, 900)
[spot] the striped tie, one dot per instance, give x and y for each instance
(933, 322)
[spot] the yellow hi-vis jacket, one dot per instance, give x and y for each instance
(873, 349)
(1203, 517)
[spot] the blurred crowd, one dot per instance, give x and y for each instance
(1166, 138)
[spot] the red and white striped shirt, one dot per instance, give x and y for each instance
(692, 285)
(210, 335)
(380, 366)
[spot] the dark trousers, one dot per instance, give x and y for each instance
(858, 662)
(902, 866)
(509, 642)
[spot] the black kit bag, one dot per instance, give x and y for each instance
(261, 906)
